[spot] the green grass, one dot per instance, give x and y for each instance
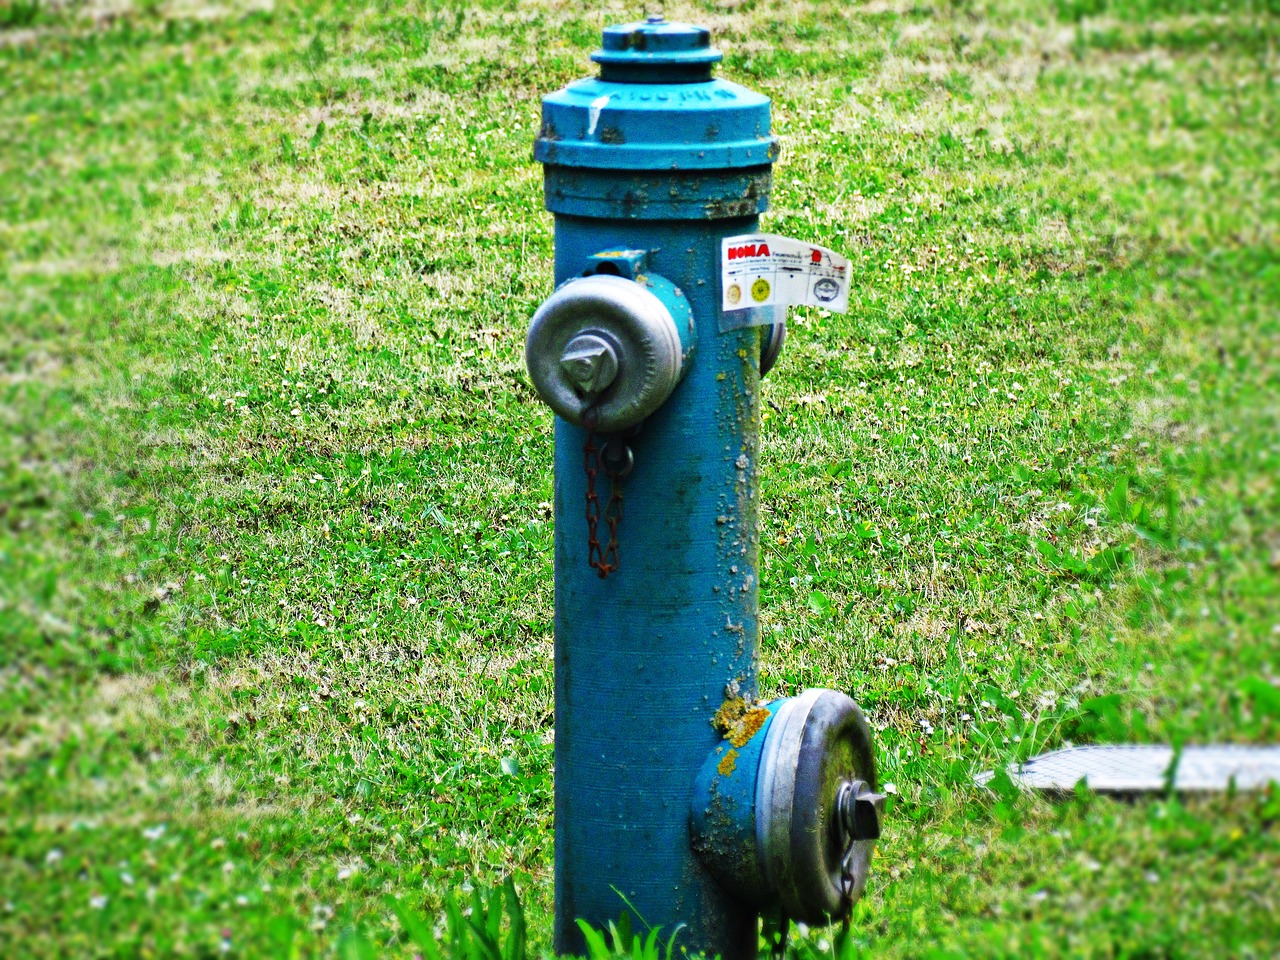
(275, 536)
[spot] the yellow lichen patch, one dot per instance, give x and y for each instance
(748, 726)
(728, 763)
(730, 712)
(739, 720)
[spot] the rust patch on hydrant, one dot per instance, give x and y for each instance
(728, 763)
(739, 720)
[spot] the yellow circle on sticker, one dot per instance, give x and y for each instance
(733, 294)
(760, 290)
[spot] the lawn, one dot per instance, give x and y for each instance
(275, 526)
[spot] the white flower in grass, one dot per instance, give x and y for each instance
(98, 901)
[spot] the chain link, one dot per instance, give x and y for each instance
(604, 560)
(844, 797)
(846, 887)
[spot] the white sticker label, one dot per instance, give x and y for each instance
(764, 269)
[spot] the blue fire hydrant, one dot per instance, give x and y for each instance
(680, 797)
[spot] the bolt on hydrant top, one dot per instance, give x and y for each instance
(655, 106)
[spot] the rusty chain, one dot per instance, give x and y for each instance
(604, 560)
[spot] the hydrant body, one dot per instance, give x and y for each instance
(643, 657)
(647, 169)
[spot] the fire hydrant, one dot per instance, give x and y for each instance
(680, 797)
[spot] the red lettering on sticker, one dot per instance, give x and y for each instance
(816, 256)
(749, 250)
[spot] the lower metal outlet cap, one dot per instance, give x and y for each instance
(605, 344)
(817, 750)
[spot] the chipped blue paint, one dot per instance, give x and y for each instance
(723, 821)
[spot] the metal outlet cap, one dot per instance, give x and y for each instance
(817, 744)
(606, 321)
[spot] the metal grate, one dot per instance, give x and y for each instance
(1133, 768)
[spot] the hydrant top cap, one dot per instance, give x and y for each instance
(656, 51)
(655, 106)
